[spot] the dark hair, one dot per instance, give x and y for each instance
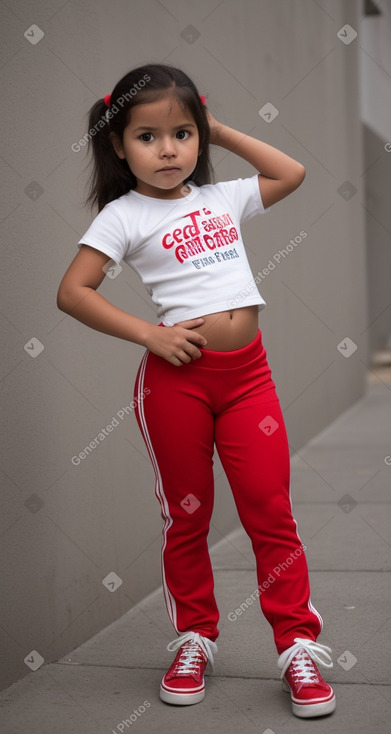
(111, 176)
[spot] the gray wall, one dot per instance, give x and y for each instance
(375, 75)
(378, 238)
(64, 528)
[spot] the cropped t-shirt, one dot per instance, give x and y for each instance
(188, 252)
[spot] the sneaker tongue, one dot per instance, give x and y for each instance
(190, 657)
(304, 659)
(302, 654)
(304, 668)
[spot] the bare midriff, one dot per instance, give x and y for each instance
(229, 330)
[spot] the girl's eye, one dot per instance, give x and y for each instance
(148, 137)
(144, 137)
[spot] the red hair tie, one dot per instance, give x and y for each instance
(203, 99)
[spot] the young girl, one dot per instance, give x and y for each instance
(159, 213)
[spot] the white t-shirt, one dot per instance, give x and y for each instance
(188, 252)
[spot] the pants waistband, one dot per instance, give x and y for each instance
(213, 359)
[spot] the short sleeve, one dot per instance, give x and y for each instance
(107, 234)
(245, 196)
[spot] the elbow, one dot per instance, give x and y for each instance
(61, 305)
(299, 176)
(69, 296)
(295, 179)
(62, 301)
(302, 174)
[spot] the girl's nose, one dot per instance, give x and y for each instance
(168, 147)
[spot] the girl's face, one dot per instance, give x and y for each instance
(160, 145)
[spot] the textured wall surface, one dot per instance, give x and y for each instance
(80, 543)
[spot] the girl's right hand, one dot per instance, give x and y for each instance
(177, 344)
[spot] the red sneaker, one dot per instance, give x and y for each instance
(184, 683)
(310, 694)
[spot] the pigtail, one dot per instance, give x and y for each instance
(110, 176)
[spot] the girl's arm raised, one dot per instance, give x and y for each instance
(279, 174)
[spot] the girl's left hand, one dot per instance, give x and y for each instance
(214, 127)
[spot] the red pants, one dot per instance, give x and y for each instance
(227, 398)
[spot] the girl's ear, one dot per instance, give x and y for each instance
(117, 145)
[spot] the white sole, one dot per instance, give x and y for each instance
(310, 710)
(181, 699)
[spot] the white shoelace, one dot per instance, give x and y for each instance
(191, 654)
(305, 652)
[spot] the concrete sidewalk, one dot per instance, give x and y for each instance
(340, 490)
